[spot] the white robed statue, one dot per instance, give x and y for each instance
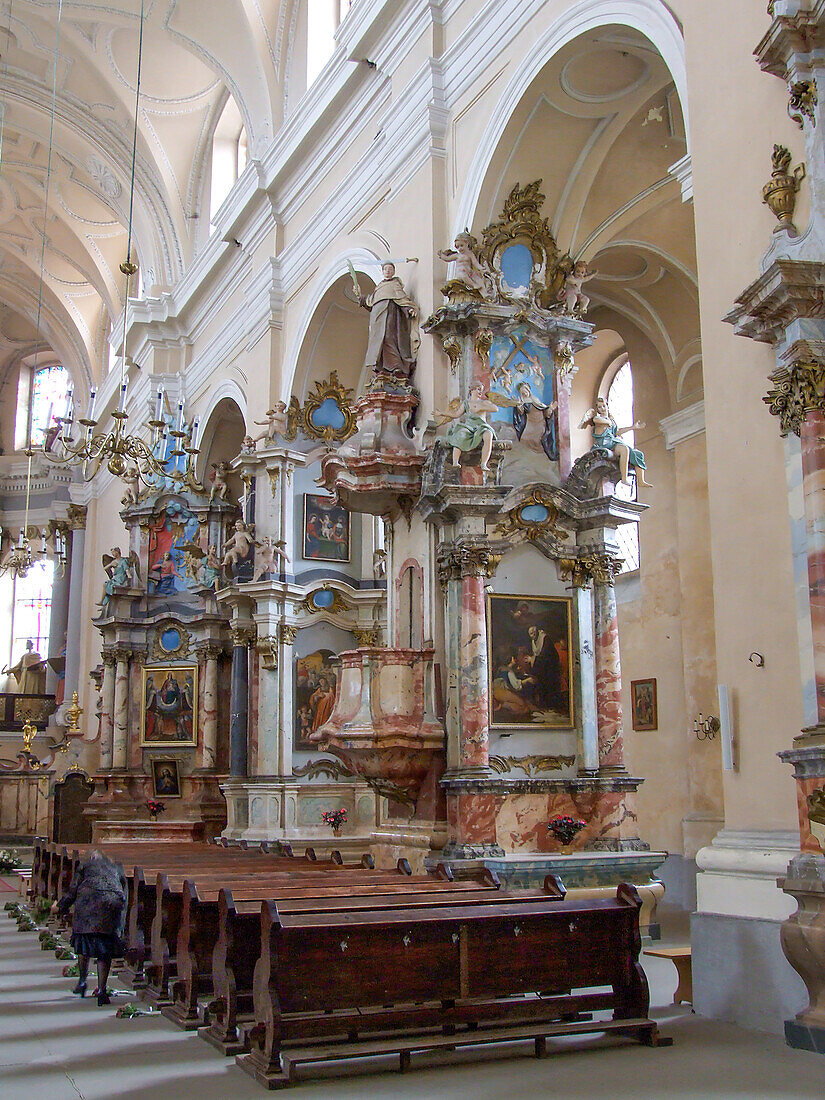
(394, 337)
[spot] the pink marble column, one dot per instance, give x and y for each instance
(812, 438)
(608, 679)
(209, 716)
(107, 711)
(121, 709)
(474, 720)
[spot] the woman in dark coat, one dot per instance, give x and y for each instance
(98, 894)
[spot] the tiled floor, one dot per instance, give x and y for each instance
(56, 1047)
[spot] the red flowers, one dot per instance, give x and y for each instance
(564, 828)
(334, 818)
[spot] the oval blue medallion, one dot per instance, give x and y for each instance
(328, 414)
(517, 267)
(323, 598)
(534, 513)
(170, 639)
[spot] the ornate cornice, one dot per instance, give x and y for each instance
(599, 568)
(796, 390)
(786, 292)
(790, 43)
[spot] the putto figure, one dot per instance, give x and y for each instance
(394, 338)
(237, 547)
(607, 436)
(268, 551)
(468, 268)
(576, 302)
(220, 486)
(276, 423)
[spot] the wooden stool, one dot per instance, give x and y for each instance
(680, 957)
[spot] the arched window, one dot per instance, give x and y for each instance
(229, 154)
(41, 396)
(32, 607)
(620, 403)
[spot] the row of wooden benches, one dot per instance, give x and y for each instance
(286, 960)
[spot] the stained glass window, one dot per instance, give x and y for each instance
(41, 397)
(620, 404)
(33, 609)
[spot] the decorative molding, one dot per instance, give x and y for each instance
(267, 647)
(682, 172)
(176, 654)
(788, 291)
(452, 349)
(514, 523)
(684, 424)
(532, 765)
(332, 769)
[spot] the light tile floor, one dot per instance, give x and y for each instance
(56, 1047)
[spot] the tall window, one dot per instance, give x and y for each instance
(620, 403)
(229, 154)
(32, 609)
(323, 19)
(41, 396)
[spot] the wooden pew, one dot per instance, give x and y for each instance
(439, 978)
(169, 907)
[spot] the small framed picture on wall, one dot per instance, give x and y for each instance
(165, 779)
(644, 704)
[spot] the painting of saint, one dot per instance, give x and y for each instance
(170, 696)
(315, 684)
(522, 371)
(170, 533)
(326, 529)
(165, 779)
(644, 704)
(529, 645)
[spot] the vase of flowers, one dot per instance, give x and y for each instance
(155, 808)
(9, 861)
(565, 829)
(335, 819)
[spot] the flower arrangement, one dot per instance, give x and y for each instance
(564, 828)
(9, 861)
(334, 818)
(155, 808)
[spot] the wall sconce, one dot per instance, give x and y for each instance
(706, 728)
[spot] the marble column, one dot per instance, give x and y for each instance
(74, 629)
(608, 678)
(121, 709)
(474, 691)
(269, 732)
(107, 711)
(209, 715)
(239, 703)
(583, 600)
(812, 434)
(286, 699)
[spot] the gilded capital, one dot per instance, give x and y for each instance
(107, 656)
(478, 561)
(599, 568)
(796, 391)
(209, 651)
(243, 635)
(288, 634)
(365, 637)
(76, 517)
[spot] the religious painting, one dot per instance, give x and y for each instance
(326, 529)
(530, 642)
(315, 685)
(165, 779)
(522, 373)
(643, 704)
(169, 715)
(171, 533)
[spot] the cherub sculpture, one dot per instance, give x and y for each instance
(238, 545)
(220, 486)
(276, 423)
(268, 551)
(379, 564)
(204, 565)
(249, 445)
(607, 436)
(576, 302)
(131, 479)
(468, 268)
(122, 572)
(468, 428)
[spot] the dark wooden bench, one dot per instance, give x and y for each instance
(331, 986)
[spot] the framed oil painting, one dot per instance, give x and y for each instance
(326, 529)
(530, 641)
(644, 705)
(165, 779)
(169, 712)
(315, 683)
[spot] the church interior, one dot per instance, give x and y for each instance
(390, 595)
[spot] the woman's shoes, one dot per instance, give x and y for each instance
(103, 998)
(80, 989)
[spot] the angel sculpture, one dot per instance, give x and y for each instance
(268, 551)
(132, 480)
(468, 428)
(220, 486)
(576, 302)
(237, 546)
(468, 268)
(276, 423)
(607, 436)
(121, 571)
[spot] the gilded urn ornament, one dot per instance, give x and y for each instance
(779, 193)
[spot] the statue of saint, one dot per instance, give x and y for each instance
(29, 672)
(394, 338)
